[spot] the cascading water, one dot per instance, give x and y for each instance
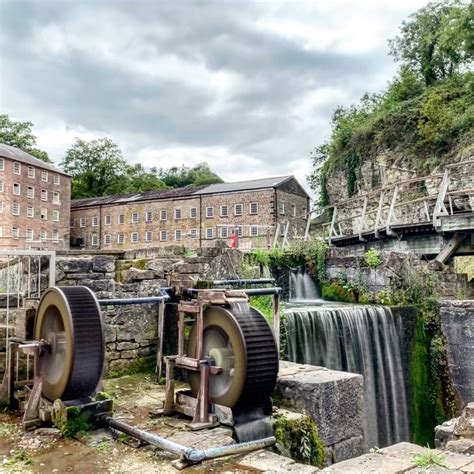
(360, 339)
(302, 286)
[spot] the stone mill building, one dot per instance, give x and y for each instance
(198, 216)
(35, 202)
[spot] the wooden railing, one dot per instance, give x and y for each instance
(422, 200)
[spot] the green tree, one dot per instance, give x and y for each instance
(177, 177)
(139, 179)
(437, 41)
(20, 135)
(97, 168)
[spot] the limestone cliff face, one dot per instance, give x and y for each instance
(387, 168)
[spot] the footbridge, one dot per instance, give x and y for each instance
(431, 215)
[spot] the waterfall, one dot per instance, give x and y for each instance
(360, 339)
(302, 286)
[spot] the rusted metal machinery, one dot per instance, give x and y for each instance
(230, 355)
(231, 358)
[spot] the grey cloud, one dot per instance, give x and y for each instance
(86, 92)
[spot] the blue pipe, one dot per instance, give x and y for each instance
(244, 281)
(143, 300)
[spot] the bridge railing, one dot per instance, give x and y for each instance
(416, 201)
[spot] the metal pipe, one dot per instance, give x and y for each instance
(244, 281)
(191, 454)
(249, 291)
(125, 301)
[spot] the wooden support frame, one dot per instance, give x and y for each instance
(378, 219)
(391, 217)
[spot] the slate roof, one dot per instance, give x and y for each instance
(187, 191)
(7, 151)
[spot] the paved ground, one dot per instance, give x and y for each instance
(136, 397)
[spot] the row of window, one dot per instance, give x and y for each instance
(31, 172)
(163, 215)
(164, 235)
(30, 212)
(29, 235)
(30, 192)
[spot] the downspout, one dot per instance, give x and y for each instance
(200, 221)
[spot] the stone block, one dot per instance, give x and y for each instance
(121, 346)
(134, 274)
(119, 365)
(110, 333)
(75, 265)
(98, 285)
(85, 276)
(129, 354)
(335, 400)
(268, 462)
(103, 263)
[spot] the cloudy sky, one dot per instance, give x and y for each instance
(248, 86)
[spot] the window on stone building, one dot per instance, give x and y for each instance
(163, 215)
(177, 234)
(30, 211)
(15, 232)
(95, 221)
(56, 198)
(31, 172)
(108, 219)
(55, 236)
(30, 192)
(82, 222)
(177, 213)
(209, 212)
(254, 230)
(15, 209)
(44, 214)
(193, 212)
(223, 232)
(134, 237)
(1, 231)
(281, 208)
(16, 168)
(224, 211)
(282, 229)
(56, 178)
(44, 176)
(2, 164)
(43, 234)
(148, 236)
(29, 234)
(209, 233)
(294, 210)
(121, 219)
(149, 216)
(193, 233)
(134, 217)
(1, 206)
(95, 240)
(107, 239)
(120, 238)
(16, 189)
(253, 208)
(238, 209)
(163, 235)
(239, 231)
(2, 186)
(56, 216)
(44, 194)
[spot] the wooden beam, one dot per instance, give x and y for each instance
(391, 213)
(378, 219)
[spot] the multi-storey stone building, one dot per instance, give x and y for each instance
(202, 216)
(35, 202)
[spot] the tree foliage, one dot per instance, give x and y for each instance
(177, 177)
(437, 41)
(98, 169)
(20, 135)
(426, 110)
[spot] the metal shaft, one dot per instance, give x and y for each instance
(191, 454)
(244, 281)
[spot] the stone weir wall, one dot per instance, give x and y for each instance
(457, 323)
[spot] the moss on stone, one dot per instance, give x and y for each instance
(140, 365)
(334, 291)
(298, 438)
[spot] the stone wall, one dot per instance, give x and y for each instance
(457, 323)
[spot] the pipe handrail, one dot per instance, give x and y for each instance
(249, 291)
(138, 300)
(244, 281)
